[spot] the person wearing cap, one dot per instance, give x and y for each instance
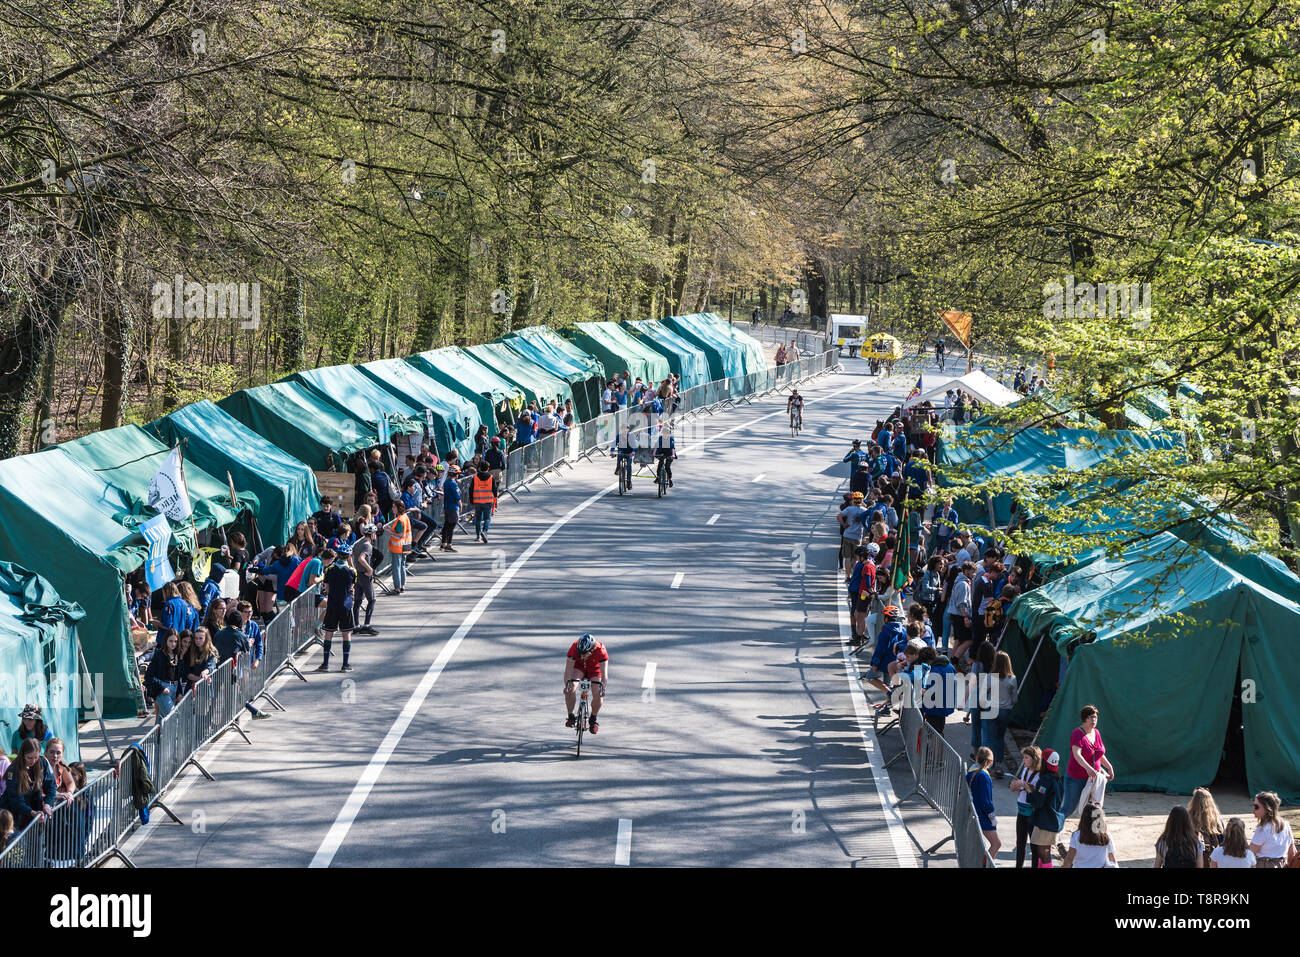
(852, 519)
(854, 457)
(862, 590)
(892, 636)
(31, 724)
(328, 521)
(1048, 817)
(363, 562)
(212, 586)
(339, 581)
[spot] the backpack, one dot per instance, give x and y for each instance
(993, 614)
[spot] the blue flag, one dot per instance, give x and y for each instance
(158, 571)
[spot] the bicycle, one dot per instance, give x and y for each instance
(661, 477)
(584, 709)
(624, 473)
(796, 422)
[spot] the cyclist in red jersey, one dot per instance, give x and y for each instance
(586, 658)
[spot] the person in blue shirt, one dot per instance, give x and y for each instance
(413, 501)
(940, 689)
(176, 611)
(944, 525)
(450, 510)
(917, 476)
(854, 457)
(212, 587)
(892, 635)
(524, 428)
(884, 466)
(284, 565)
(256, 637)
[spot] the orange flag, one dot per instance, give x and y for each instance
(959, 323)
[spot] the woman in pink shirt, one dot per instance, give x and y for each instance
(1087, 759)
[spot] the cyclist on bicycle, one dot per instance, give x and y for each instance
(940, 348)
(666, 451)
(584, 660)
(794, 404)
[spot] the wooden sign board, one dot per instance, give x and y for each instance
(340, 487)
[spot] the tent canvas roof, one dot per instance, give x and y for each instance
(984, 387)
(69, 525)
(298, 421)
(684, 357)
(622, 349)
(453, 367)
(455, 418)
(352, 391)
(726, 357)
(218, 442)
(539, 385)
(1156, 637)
(586, 400)
(755, 358)
(128, 457)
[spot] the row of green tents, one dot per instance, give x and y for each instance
(1184, 639)
(73, 513)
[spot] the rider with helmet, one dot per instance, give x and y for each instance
(587, 658)
(794, 404)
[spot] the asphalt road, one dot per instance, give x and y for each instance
(730, 734)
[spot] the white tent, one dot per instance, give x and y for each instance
(983, 387)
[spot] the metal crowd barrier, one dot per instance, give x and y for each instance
(93, 823)
(804, 340)
(939, 777)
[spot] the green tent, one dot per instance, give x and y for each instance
(539, 385)
(69, 525)
(38, 656)
(726, 358)
(353, 392)
(620, 351)
(755, 358)
(298, 421)
(689, 362)
(585, 385)
(454, 419)
(1161, 640)
(497, 398)
(219, 443)
(129, 456)
(986, 453)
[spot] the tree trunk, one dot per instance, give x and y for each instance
(295, 324)
(116, 324)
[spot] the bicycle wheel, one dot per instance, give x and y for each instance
(622, 483)
(662, 479)
(581, 726)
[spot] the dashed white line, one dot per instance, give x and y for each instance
(716, 516)
(677, 580)
(759, 477)
(805, 449)
(648, 679)
(870, 744)
(623, 849)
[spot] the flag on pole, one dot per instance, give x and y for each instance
(960, 324)
(916, 390)
(158, 570)
(384, 436)
(167, 490)
(902, 570)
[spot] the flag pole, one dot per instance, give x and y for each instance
(189, 506)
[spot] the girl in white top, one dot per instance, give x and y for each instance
(1233, 852)
(1090, 845)
(1272, 842)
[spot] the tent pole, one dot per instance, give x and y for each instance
(99, 712)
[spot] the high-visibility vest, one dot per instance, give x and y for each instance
(481, 493)
(399, 539)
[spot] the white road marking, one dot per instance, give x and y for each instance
(759, 477)
(648, 679)
(716, 516)
(870, 744)
(623, 850)
(343, 822)
(805, 449)
(677, 580)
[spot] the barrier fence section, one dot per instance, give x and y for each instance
(804, 340)
(939, 777)
(92, 824)
(535, 461)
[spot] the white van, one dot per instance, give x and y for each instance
(848, 331)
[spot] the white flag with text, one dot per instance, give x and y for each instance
(167, 491)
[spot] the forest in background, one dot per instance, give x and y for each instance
(397, 176)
